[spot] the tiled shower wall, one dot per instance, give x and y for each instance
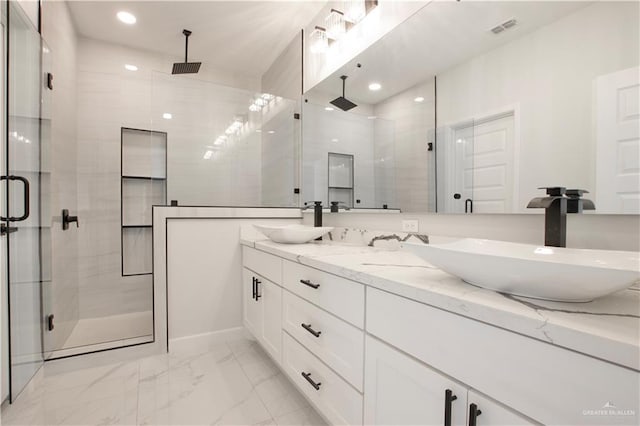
(59, 34)
(110, 97)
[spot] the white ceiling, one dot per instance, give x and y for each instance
(241, 36)
(438, 37)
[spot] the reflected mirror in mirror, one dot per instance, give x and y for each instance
(481, 103)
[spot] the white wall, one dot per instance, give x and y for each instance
(201, 248)
(284, 76)
(548, 75)
(413, 124)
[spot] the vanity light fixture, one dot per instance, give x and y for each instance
(254, 108)
(319, 40)
(130, 67)
(167, 116)
(207, 155)
(220, 140)
(375, 87)
(419, 99)
(335, 24)
(271, 132)
(126, 17)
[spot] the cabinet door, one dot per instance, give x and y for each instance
(402, 391)
(492, 413)
(251, 309)
(270, 297)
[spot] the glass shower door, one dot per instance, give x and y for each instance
(22, 212)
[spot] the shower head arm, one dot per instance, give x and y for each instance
(186, 33)
(344, 81)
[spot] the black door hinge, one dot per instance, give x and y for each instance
(50, 325)
(49, 81)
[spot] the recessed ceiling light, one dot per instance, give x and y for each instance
(419, 99)
(334, 140)
(167, 116)
(271, 132)
(375, 86)
(131, 67)
(328, 109)
(126, 17)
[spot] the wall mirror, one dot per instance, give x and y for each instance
(471, 106)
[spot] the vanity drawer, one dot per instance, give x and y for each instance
(267, 265)
(334, 398)
(339, 344)
(341, 297)
(545, 382)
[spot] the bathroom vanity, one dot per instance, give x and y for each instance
(373, 336)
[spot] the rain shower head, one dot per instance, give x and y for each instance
(342, 102)
(186, 67)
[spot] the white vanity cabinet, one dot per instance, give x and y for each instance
(362, 355)
(400, 390)
(262, 301)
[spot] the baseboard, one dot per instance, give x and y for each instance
(206, 339)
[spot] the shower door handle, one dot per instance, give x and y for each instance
(25, 212)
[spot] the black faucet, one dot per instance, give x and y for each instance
(317, 212)
(557, 206)
(337, 205)
(575, 203)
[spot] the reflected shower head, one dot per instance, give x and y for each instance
(342, 102)
(186, 67)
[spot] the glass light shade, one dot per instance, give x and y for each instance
(355, 10)
(319, 41)
(254, 108)
(335, 24)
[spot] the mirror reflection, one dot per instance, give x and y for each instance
(470, 107)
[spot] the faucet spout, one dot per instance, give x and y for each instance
(555, 217)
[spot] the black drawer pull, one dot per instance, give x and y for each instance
(307, 376)
(254, 288)
(309, 283)
(474, 412)
(449, 397)
(311, 330)
(258, 295)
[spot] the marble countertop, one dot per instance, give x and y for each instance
(607, 328)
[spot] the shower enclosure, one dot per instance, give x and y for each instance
(26, 217)
(125, 143)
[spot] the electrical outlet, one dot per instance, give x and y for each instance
(410, 225)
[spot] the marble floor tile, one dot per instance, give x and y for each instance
(223, 383)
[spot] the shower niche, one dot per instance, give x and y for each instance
(143, 185)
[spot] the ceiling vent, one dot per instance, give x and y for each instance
(504, 26)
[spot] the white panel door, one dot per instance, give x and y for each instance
(492, 170)
(402, 391)
(488, 412)
(270, 297)
(251, 309)
(618, 142)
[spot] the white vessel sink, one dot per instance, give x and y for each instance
(550, 273)
(292, 234)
